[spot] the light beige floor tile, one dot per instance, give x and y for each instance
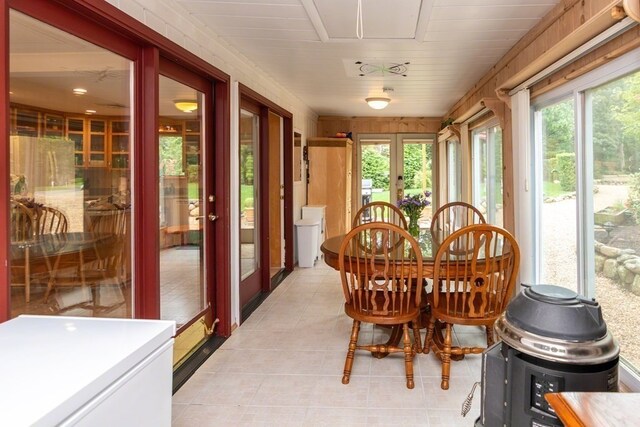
(330, 417)
(273, 416)
(450, 418)
(453, 398)
(395, 417)
(177, 409)
(392, 392)
(333, 363)
(210, 416)
(283, 367)
(225, 389)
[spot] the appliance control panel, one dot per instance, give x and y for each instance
(541, 384)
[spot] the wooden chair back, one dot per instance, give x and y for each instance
(379, 262)
(108, 221)
(23, 222)
(474, 274)
(51, 221)
(454, 216)
(380, 212)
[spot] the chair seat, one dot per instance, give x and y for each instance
(391, 318)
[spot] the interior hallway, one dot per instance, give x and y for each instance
(283, 367)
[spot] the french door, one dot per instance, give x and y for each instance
(392, 166)
(186, 201)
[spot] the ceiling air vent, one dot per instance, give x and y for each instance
(376, 69)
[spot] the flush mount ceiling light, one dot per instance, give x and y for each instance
(79, 91)
(186, 105)
(378, 102)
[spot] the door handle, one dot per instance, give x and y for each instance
(212, 217)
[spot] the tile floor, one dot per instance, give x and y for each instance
(283, 367)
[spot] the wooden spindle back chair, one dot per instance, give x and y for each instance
(475, 272)
(380, 212)
(453, 216)
(379, 266)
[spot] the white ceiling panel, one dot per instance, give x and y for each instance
(382, 19)
(305, 44)
(203, 9)
(260, 23)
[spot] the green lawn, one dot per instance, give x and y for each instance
(552, 189)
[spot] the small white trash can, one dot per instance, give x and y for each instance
(307, 233)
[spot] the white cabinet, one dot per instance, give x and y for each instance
(73, 371)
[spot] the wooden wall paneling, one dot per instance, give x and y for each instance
(567, 26)
(275, 226)
(328, 126)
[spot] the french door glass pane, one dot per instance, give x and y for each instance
(375, 157)
(180, 148)
(612, 117)
(70, 205)
(417, 171)
(558, 231)
(249, 243)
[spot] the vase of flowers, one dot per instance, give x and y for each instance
(412, 205)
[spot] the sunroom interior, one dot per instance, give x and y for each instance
(179, 135)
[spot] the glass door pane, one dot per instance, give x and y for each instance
(612, 112)
(376, 171)
(487, 173)
(454, 172)
(554, 130)
(182, 221)
(249, 232)
(70, 209)
(415, 165)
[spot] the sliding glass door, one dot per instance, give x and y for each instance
(70, 157)
(587, 181)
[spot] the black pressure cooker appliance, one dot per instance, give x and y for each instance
(553, 340)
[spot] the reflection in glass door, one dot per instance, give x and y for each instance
(182, 210)
(249, 243)
(70, 173)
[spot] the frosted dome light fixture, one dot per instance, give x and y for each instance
(186, 105)
(378, 103)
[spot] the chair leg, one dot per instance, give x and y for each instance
(446, 358)
(490, 338)
(408, 356)
(416, 335)
(429, 337)
(353, 341)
